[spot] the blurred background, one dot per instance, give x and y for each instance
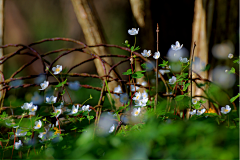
(27, 21)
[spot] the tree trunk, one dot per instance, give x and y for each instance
(92, 30)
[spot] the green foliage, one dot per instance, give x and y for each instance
(234, 98)
(138, 74)
(164, 63)
(129, 71)
(61, 84)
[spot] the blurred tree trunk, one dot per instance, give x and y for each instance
(87, 18)
(215, 21)
(1, 43)
(199, 35)
(142, 13)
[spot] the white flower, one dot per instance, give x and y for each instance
(146, 53)
(117, 89)
(74, 85)
(124, 98)
(38, 124)
(74, 109)
(19, 133)
(51, 100)
(172, 80)
(193, 112)
(156, 55)
(33, 108)
(137, 96)
(194, 101)
(183, 60)
(112, 128)
(199, 112)
(133, 31)
(144, 95)
(18, 144)
(136, 111)
(230, 55)
(26, 106)
(12, 124)
(141, 102)
(41, 134)
(57, 69)
(225, 109)
(86, 108)
(58, 111)
(133, 88)
(44, 85)
(144, 83)
(37, 98)
(163, 72)
(176, 46)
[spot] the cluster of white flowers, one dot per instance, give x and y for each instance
(197, 112)
(29, 106)
(86, 108)
(141, 100)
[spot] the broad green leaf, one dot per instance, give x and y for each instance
(137, 75)
(179, 97)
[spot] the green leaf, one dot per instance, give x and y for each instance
(129, 71)
(4, 115)
(63, 92)
(234, 98)
(236, 61)
(144, 65)
(61, 84)
(232, 70)
(186, 86)
(137, 48)
(137, 75)
(164, 63)
(29, 133)
(132, 48)
(207, 67)
(179, 97)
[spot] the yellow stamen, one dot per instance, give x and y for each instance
(38, 125)
(136, 112)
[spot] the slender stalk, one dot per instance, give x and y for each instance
(155, 105)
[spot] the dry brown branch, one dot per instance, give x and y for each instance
(1, 43)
